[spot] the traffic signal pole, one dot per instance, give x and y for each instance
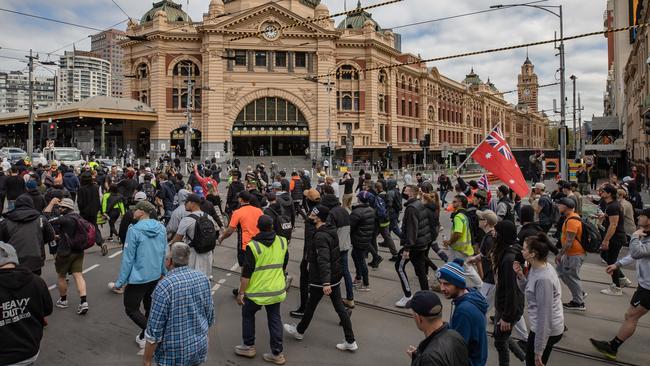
(30, 124)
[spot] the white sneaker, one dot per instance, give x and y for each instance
(140, 341)
(625, 282)
(345, 346)
(82, 309)
(612, 290)
(61, 303)
(291, 329)
(401, 303)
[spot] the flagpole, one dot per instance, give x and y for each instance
(473, 151)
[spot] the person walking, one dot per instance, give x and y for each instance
(442, 345)
(614, 237)
(362, 228)
(88, 202)
(262, 283)
(325, 275)
(543, 291)
(382, 220)
(71, 183)
(312, 199)
(244, 221)
(340, 219)
(296, 189)
(468, 316)
(181, 315)
(348, 190)
(572, 255)
(544, 207)
(15, 187)
(415, 240)
(142, 265)
(583, 179)
(640, 302)
(26, 301)
(460, 242)
(113, 207)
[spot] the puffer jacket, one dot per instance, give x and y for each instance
(433, 213)
(362, 226)
(508, 299)
(310, 230)
(415, 226)
(324, 257)
(443, 347)
(339, 218)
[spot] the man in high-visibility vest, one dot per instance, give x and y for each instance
(460, 242)
(263, 283)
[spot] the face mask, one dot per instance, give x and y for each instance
(405, 196)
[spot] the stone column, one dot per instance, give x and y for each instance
(215, 129)
(159, 132)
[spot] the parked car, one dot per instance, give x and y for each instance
(13, 154)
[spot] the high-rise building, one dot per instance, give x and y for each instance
(83, 75)
(14, 91)
(106, 45)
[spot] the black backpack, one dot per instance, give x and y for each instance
(590, 240)
(205, 234)
(150, 191)
(282, 223)
(510, 215)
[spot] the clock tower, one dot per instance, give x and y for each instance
(528, 86)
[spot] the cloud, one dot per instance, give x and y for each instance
(586, 58)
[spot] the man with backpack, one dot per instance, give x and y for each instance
(382, 222)
(197, 230)
(505, 206)
(281, 223)
(572, 254)
(545, 208)
(395, 197)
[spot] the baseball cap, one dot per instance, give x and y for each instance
(453, 273)
(193, 198)
(541, 186)
(265, 223)
(140, 196)
(568, 202)
(321, 212)
(7, 254)
(425, 303)
(146, 206)
(488, 215)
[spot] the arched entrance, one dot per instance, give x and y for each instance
(270, 126)
(177, 142)
(143, 142)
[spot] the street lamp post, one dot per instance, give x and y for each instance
(575, 135)
(103, 139)
(563, 142)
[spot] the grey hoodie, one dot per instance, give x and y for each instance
(179, 212)
(639, 251)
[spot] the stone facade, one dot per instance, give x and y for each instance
(396, 105)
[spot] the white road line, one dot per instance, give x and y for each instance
(90, 268)
(228, 274)
(221, 281)
(52, 287)
(234, 266)
(115, 254)
(215, 288)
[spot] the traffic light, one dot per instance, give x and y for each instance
(389, 152)
(325, 150)
(225, 146)
(51, 131)
(427, 140)
(646, 122)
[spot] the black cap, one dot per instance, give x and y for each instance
(568, 202)
(193, 198)
(321, 212)
(265, 223)
(425, 303)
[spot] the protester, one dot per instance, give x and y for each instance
(544, 207)
(244, 220)
(460, 242)
(113, 207)
(340, 219)
(348, 186)
(15, 187)
(528, 225)
(362, 228)
(572, 255)
(614, 237)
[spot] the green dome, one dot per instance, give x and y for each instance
(472, 79)
(356, 21)
(174, 12)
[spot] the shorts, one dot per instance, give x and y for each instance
(641, 297)
(72, 263)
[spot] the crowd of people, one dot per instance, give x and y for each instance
(504, 252)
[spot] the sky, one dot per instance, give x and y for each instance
(586, 58)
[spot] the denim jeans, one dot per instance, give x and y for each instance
(359, 257)
(274, 321)
(349, 293)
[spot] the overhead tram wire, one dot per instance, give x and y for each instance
(119, 7)
(50, 19)
(85, 37)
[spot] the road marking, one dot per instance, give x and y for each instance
(215, 288)
(52, 287)
(234, 266)
(221, 281)
(90, 268)
(115, 254)
(228, 274)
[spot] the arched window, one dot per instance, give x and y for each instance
(140, 84)
(270, 111)
(347, 72)
(403, 82)
(410, 84)
(186, 71)
(347, 95)
(382, 98)
(186, 68)
(417, 87)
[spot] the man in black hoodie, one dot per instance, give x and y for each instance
(15, 187)
(528, 225)
(28, 231)
(232, 197)
(284, 199)
(325, 275)
(25, 302)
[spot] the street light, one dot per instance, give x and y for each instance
(563, 142)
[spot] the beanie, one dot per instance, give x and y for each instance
(453, 273)
(265, 223)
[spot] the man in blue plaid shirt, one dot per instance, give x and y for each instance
(181, 314)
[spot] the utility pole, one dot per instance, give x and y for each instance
(189, 106)
(30, 126)
(564, 169)
(575, 139)
(103, 140)
(329, 123)
(581, 145)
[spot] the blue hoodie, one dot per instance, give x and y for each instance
(468, 319)
(143, 259)
(70, 181)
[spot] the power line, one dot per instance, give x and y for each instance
(119, 7)
(81, 39)
(50, 19)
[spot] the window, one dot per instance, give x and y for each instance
(403, 107)
(183, 72)
(382, 133)
(410, 108)
(403, 82)
(301, 59)
(381, 103)
(346, 101)
(281, 59)
(260, 58)
(417, 110)
(347, 72)
(186, 68)
(240, 58)
(269, 110)
(142, 71)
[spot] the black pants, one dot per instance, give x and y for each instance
(304, 284)
(297, 205)
(530, 351)
(273, 319)
(418, 259)
(134, 295)
(501, 341)
(611, 256)
(3, 196)
(315, 295)
(73, 196)
(113, 215)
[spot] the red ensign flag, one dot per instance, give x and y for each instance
(494, 155)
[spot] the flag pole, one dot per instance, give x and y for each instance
(473, 151)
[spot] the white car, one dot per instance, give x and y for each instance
(38, 158)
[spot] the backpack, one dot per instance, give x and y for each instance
(509, 212)
(590, 240)
(150, 191)
(282, 222)
(397, 199)
(85, 235)
(380, 209)
(205, 234)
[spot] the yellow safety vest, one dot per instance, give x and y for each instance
(464, 244)
(267, 284)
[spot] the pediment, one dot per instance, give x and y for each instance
(251, 21)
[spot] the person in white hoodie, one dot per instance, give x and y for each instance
(640, 302)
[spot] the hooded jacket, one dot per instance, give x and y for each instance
(15, 187)
(395, 197)
(362, 226)
(324, 257)
(179, 212)
(25, 296)
(443, 347)
(433, 213)
(27, 230)
(339, 218)
(468, 319)
(528, 229)
(70, 181)
(295, 186)
(232, 201)
(508, 299)
(310, 230)
(88, 199)
(37, 199)
(286, 203)
(143, 258)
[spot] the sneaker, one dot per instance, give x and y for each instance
(104, 250)
(276, 359)
(245, 351)
(572, 305)
(111, 286)
(140, 341)
(605, 348)
(363, 288)
(612, 290)
(625, 282)
(394, 258)
(61, 303)
(401, 303)
(83, 308)
(291, 329)
(297, 313)
(375, 264)
(348, 303)
(345, 346)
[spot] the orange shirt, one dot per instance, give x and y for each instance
(573, 226)
(246, 218)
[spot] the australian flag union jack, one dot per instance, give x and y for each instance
(496, 140)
